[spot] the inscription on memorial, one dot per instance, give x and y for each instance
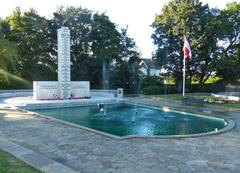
(64, 77)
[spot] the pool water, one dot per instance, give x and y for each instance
(127, 119)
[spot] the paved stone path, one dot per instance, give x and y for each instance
(87, 152)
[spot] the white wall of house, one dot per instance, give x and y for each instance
(143, 70)
(154, 72)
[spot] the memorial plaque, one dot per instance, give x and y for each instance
(45, 90)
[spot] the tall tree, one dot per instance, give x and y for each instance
(229, 64)
(8, 59)
(105, 46)
(195, 21)
(30, 32)
(97, 47)
(127, 68)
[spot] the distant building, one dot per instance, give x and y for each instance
(148, 68)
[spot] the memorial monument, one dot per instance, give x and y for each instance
(64, 88)
(64, 78)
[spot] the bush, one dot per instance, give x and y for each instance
(152, 81)
(214, 88)
(152, 90)
(170, 89)
(14, 83)
(156, 90)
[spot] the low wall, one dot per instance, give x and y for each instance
(103, 93)
(230, 93)
(93, 93)
(15, 93)
(225, 96)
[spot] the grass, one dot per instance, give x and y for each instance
(10, 164)
(228, 106)
(178, 97)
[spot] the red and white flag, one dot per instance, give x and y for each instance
(186, 49)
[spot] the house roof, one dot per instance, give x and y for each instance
(149, 64)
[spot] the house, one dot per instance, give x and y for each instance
(148, 68)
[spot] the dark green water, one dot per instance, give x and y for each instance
(127, 119)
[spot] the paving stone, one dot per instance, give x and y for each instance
(13, 148)
(36, 160)
(87, 152)
(57, 168)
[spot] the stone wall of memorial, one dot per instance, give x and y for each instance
(80, 89)
(43, 90)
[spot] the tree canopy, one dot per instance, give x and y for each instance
(205, 29)
(96, 43)
(229, 63)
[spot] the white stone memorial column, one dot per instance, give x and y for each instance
(64, 78)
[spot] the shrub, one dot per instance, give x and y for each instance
(14, 83)
(152, 90)
(156, 90)
(170, 89)
(214, 88)
(152, 81)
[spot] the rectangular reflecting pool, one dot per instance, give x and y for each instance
(129, 119)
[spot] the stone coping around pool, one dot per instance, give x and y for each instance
(230, 126)
(29, 103)
(187, 109)
(32, 158)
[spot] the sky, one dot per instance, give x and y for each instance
(138, 15)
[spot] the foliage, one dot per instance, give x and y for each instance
(99, 50)
(15, 82)
(152, 80)
(125, 73)
(229, 64)
(155, 90)
(30, 32)
(213, 87)
(152, 90)
(97, 47)
(198, 23)
(8, 58)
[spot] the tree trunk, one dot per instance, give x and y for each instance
(201, 83)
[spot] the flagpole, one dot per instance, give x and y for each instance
(184, 69)
(186, 53)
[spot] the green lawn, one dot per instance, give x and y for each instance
(228, 106)
(9, 164)
(178, 97)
